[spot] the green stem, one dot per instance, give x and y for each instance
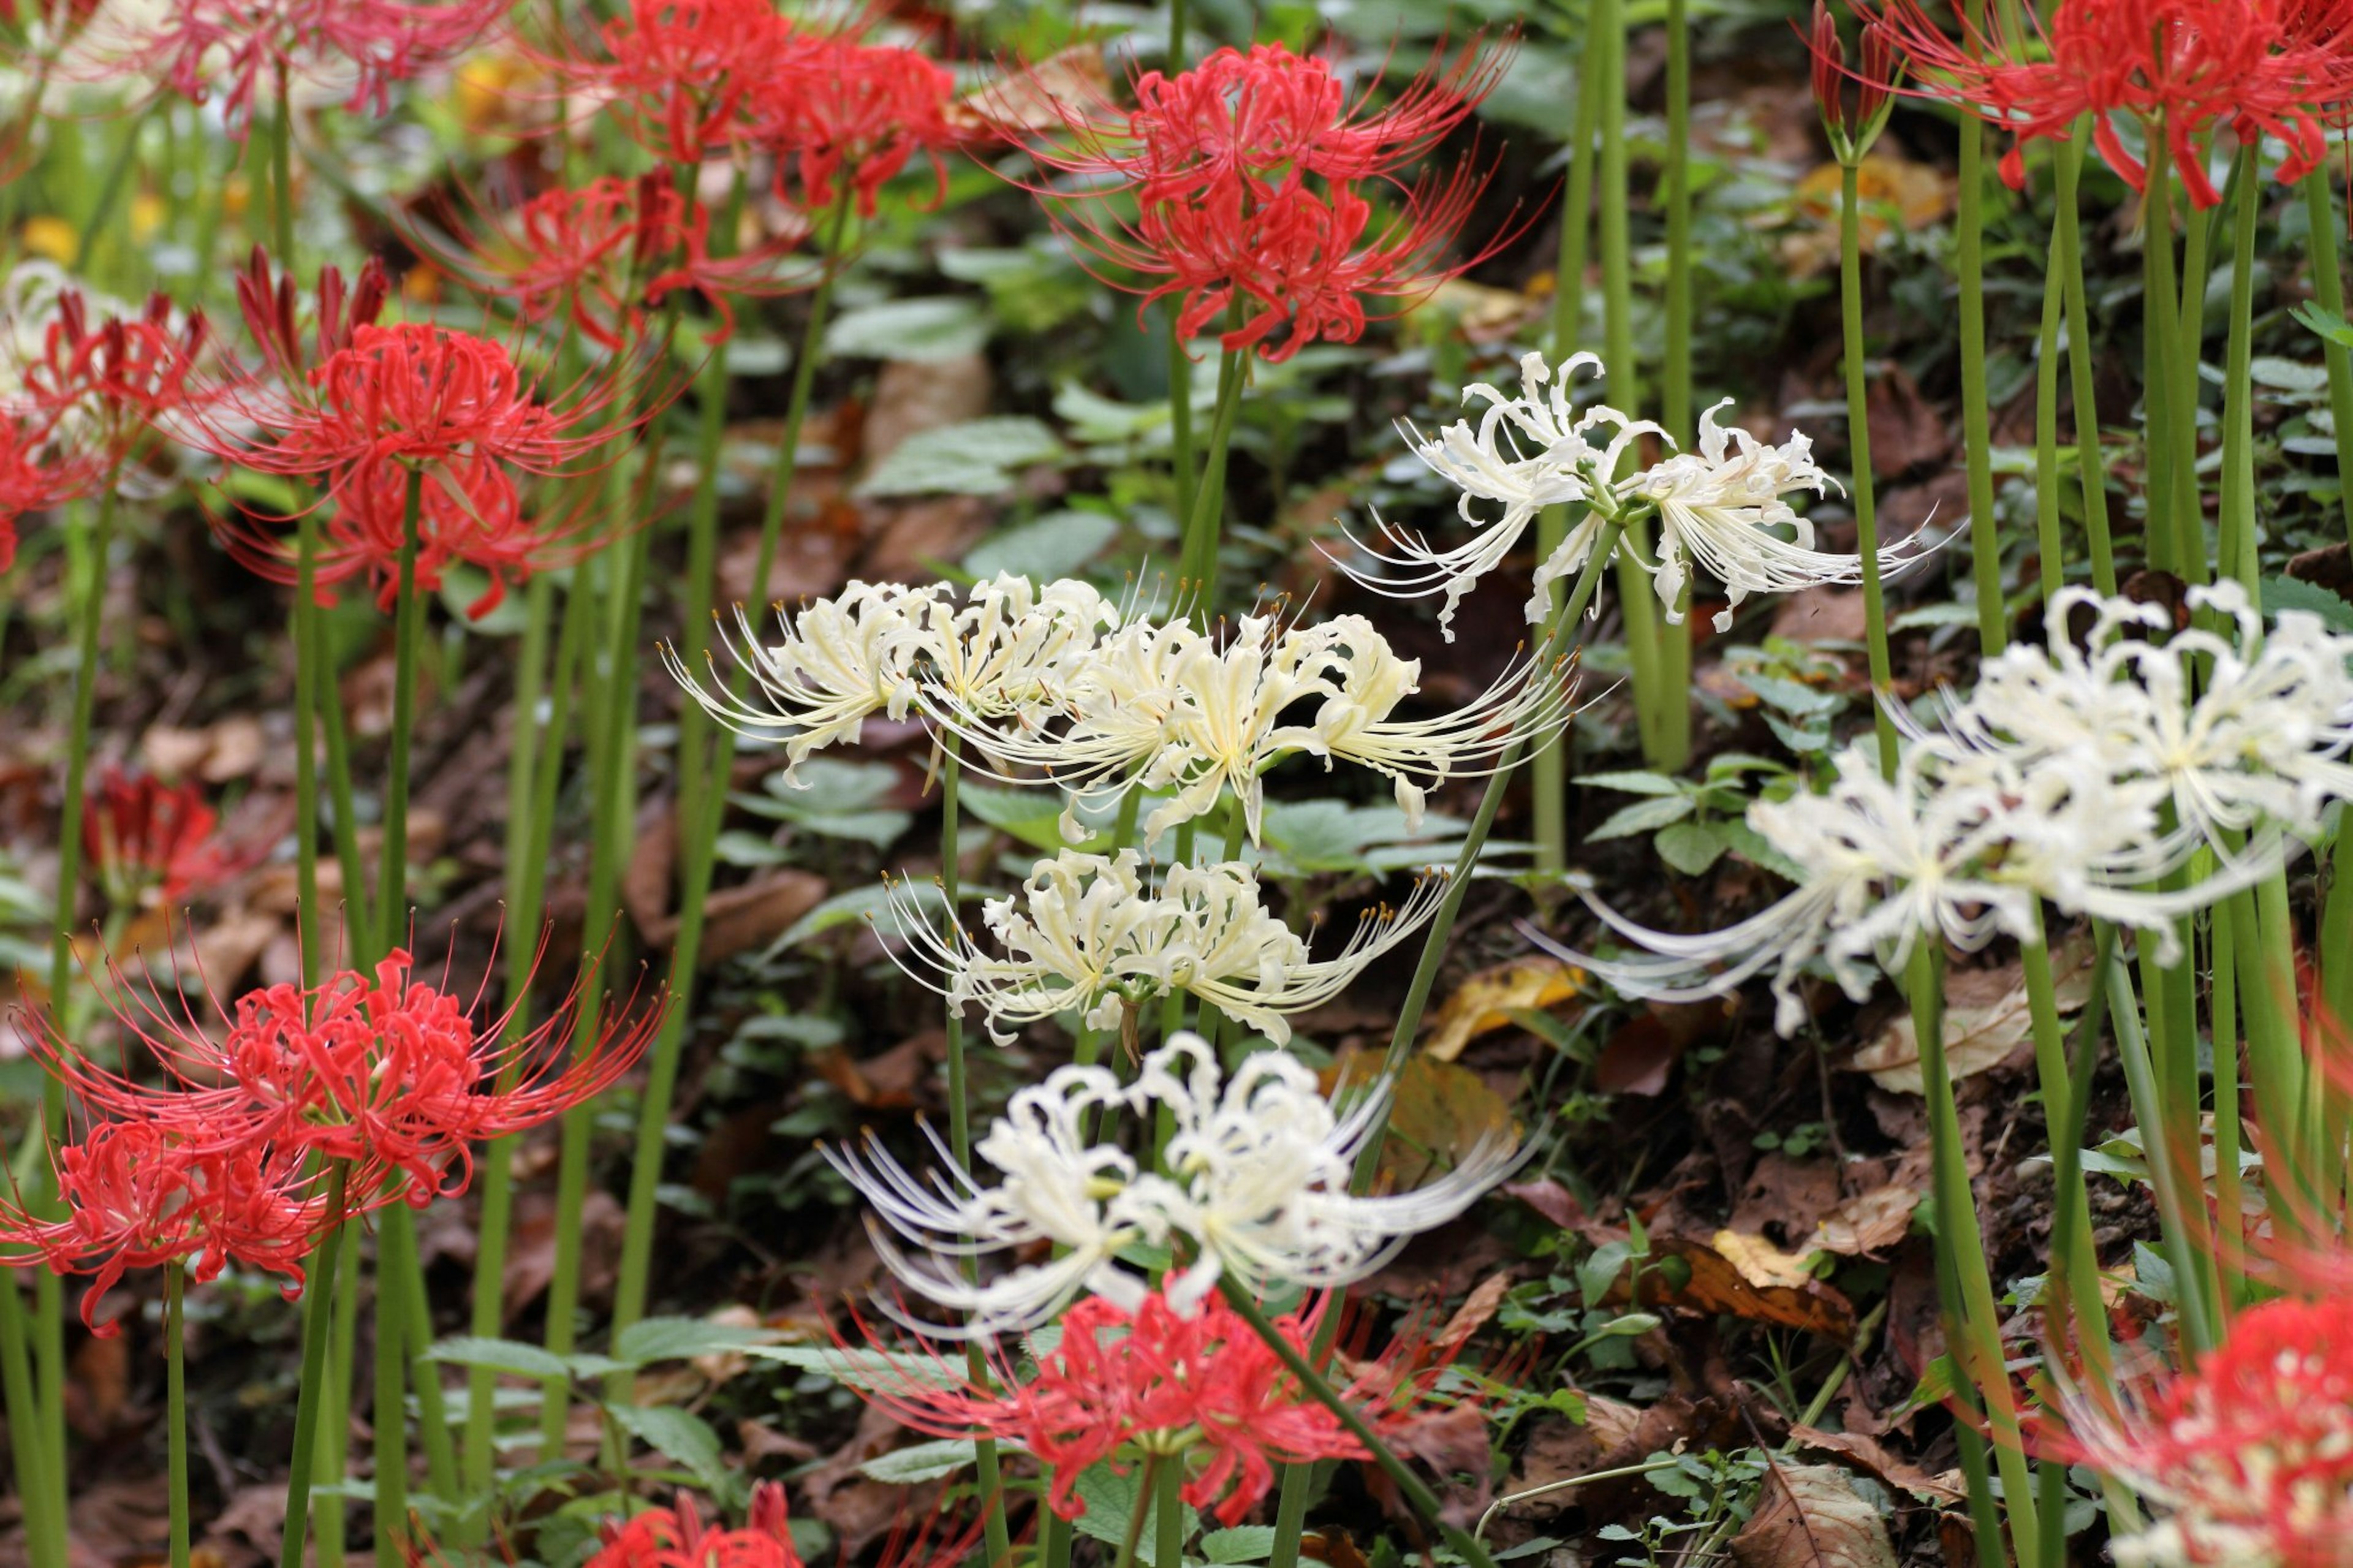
(1675, 377)
(1198, 560)
(175, 1403)
(1146, 1486)
(392, 913)
(1417, 1494)
(2189, 352)
(1637, 596)
(358, 936)
(38, 1496)
(2050, 550)
(282, 175)
(1168, 1518)
(2237, 544)
(318, 1312)
(1975, 1334)
(306, 743)
(2160, 1131)
(327, 1513)
(1858, 433)
(2090, 462)
(2076, 1263)
(1976, 437)
(2160, 323)
(686, 947)
(1549, 775)
(2328, 293)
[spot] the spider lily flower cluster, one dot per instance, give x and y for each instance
(2079, 777)
(677, 1537)
(147, 839)
(1721, 508)
(1091, 934)
(1196, 1388)
(1251, 184)
(1057, 686)
(1253, 1184)
(380, 1076)
(2250, 1452)
(2176, 69)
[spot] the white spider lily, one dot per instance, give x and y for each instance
(1958, 858)
(1169, 709)
(887, 649)
(1088, 933)
(1256, 1185)
(1719, 506)
(1525, 454)
(2243, 735)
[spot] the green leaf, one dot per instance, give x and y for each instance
(924, 329)
(1690, 847)
(1045, 548)
(1635, 782)
(1642, 816)
(858, 904)
(1751, 846)
(976, 458)
(747, 852)
(1245, 1544)
(2294, 594)
(2328, 323)
(865, 1369)
(509, 1356)
(2287, 374)
(1945, 614)
(1112, 1500)
(920, 1462)
(1030, 815)
(683, 1339)
(837, 799)
(679, 1436)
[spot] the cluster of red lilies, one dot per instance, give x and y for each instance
(313, 1107)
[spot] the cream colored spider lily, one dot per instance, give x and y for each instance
(1091, 934)
(1718, 507)
(1165, 708)
(1000, 657)
(2243, 733)
(1255, 1183)
(1889, 862)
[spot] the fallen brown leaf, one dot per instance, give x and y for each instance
(1987, 1018)
(1485, 1001)
(1811, 1517)
(1867, 1453)
(1041, 96)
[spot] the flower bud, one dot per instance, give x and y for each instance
(1830, 68)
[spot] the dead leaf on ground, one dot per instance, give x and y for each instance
(1761, 1263)
(531, 1263)
(1640, 1053)
(1473, 1314)
(910, 397)
(914, 539)
(886, 1082)
(1041, 96)
(1868, 1223)
(1811, 1517)
(1550, 1199)
(1907, 431)
(1866, 1452)
(857, 1510)
(1717, 1284)
(1452, 1443)
(1892, 190)
(1820, 614)
(1439, 1112)
(232, 749)
(1486, 1001)
(737, 920)
(99, 1388)
(1987, 1017)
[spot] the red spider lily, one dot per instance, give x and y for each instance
(1267, 117)
(830, 104)
(2264, 68)
(680, 74)
(270, 309)
(2252, 1450)
(143, 836)
(1298, 263)
(602, 255)
(1246, 172)
(467, 512)
(171, 1189)
(1851, 129)
(1155, 1380)
(108, 384)
(244, 48)
(33, 477)
(389, 1074)
(676, 1537)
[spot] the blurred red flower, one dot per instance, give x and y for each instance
(679, 74)
(676, 1537)
(143, 836)
(244, 49)
(101, 388)
(829, 106)
(1248, 182)
(2178, 67)
(2250, 1450)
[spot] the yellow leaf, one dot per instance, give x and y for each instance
(1486, 1000)
(52, 238)
(1760, 1262)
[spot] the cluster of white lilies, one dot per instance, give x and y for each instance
(2087, 776)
